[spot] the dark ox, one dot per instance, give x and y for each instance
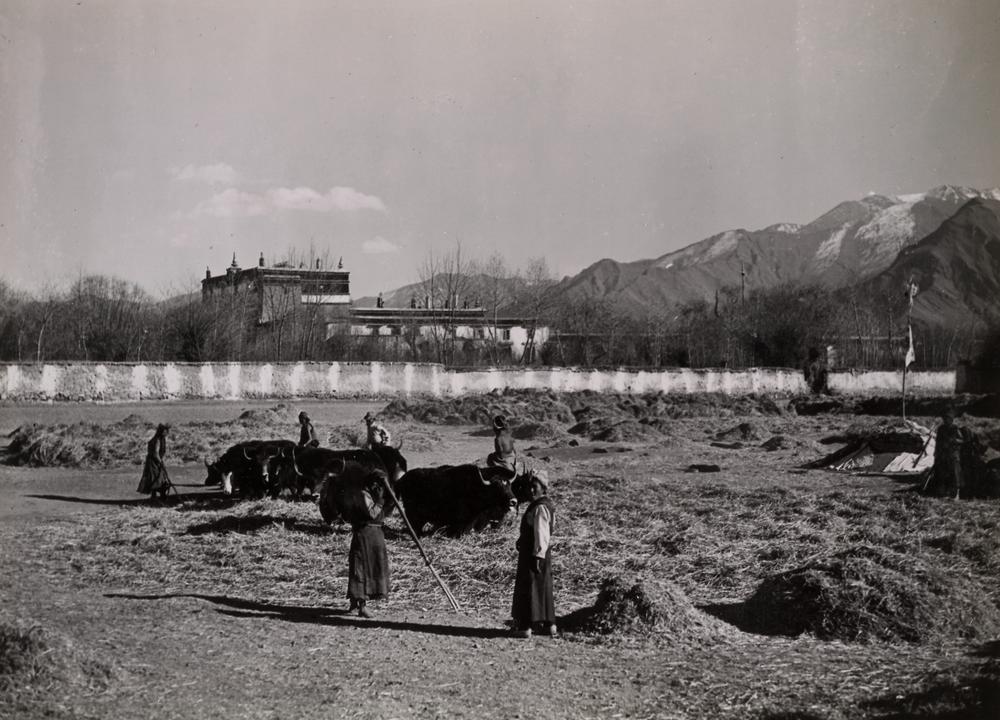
(247, 467)
(321, 468)
(456, 498)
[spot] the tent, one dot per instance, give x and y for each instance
(902, 447)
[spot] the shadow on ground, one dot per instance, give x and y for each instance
(969, 692)
(337, 617)
(138, 502)
(742, 616)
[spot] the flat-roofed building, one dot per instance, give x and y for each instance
(275, 290)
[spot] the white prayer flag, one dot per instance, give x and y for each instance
(910, 354)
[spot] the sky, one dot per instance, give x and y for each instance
(150, 140)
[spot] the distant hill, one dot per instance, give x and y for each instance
(947, 238)
(476, 289)
(855, 240)
(956, 268)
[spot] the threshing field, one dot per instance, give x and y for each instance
(758, 591)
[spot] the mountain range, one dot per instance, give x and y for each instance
(947, 239)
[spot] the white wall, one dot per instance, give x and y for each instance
(112, 382)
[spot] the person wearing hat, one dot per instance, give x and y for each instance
(377, 432)
(533, 608)
(503, 455)
(154, 473)
(307, 434)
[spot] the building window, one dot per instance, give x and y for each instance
(505, 334)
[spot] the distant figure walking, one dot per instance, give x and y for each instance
(377, 432)
(154, 473)
(503, 455)
(307, 434)
(533, 608)
(368, 561)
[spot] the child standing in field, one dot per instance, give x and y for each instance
(534, 608)
(154, 473)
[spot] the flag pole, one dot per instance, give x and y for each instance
(905, 364)
(911, 291)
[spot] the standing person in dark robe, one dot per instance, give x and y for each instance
(534, 608)
(503, 455)
(154, 473)
(948, 445)
(307, 434)
(368, 561)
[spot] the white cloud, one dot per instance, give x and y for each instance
(237, 203)
(218, 174)
(338, 198)
(233, 203)
(378, 245)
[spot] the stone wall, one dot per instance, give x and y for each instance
(117, 382)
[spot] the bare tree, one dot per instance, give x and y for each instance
(444, 281)
(535, 302)
(494, 285)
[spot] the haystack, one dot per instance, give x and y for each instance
(34, 659)
(869, 593)
(642, 608)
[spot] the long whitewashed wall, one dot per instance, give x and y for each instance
(116, 382)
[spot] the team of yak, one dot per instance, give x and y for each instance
(453, 499)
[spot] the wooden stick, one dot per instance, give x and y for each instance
(423, 553)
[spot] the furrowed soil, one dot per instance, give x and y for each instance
(671, 585)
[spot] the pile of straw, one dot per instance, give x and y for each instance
(519, 407)
(33, 659)
(643, 608)
(868, 593)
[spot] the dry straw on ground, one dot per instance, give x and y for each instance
(33, 660)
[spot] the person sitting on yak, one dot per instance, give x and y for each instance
(377, 432)
(154, 473)
(503, 455)
(307, 434)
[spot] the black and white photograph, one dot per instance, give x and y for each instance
(392, 359)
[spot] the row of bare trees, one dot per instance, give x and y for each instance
(451, 283)
(95, 318)
(98, 318)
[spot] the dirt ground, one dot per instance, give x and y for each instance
(204, 608)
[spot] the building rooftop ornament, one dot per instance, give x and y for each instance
(340, 263)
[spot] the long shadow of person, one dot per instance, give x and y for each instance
(336, 617)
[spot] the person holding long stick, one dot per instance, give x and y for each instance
(368, 561)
